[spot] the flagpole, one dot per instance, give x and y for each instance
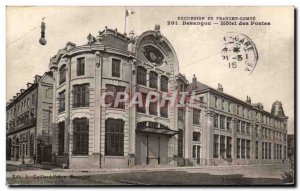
(125, 19)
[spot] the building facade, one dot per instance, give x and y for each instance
(218, 130)
(28, 117)
(89, 135)
(232, 131)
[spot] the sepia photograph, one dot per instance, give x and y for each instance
(150, 96)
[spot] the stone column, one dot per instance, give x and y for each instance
(67, 112)
(188, 139)
(234, 124)
(54, 118)
(132, 114)
(209, 130)
(97, 102)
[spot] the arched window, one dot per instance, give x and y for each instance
(114, 137)
(153, 107)
(62, 74)
(153, 79)
(164, 83)
(141, 76)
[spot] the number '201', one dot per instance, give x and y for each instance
(171, 22)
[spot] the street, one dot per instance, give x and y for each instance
(233, 175)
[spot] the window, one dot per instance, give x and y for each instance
(223, 104)
(222, 146)
(153, 79)
(216, 120)
(201, 99)
(61, 106)
(222, 122)
(194, 151)
(238, 126)
(196, 116)
(229, 107)
(228, 123)
(116, 64)
(284, 152)
(80, 66)
(275, 151)
(110, 99)
(229, 147)
(164, 83)
(196, 136)
(256, 150)
(248, 149)
(61, 137)
(263, 150)
(81, 136)
(153, 107)
(270, 147)
(180, 143)
(141, 76)
(62, 74)
(243, 127)
(164, 110)
(81, 95)
(216, 102)
(216, 146)
(238, 110)
(142, 109)
(180, 113)
(32, 100)
(248, 128)
(238, 150)
(266, 150)
(243, 142)
(114, 137)
(280, 149)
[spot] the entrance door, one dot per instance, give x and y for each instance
(47, 153)
(151, 149)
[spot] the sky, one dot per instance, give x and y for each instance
(197, 47)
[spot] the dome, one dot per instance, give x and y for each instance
(277, 109)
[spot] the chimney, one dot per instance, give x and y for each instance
(277, 109)
(248, 100)
(28, 84)
(194, 82)
(131, 35)
(220, 87)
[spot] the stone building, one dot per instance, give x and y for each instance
(28, 117)
(218, 129)
(89, 135)
(232, 131)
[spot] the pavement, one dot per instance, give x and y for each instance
(249, 171)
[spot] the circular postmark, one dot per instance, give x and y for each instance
(239, 51)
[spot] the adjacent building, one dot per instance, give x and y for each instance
(233, 132)
(28, 117)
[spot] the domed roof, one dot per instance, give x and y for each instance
(277, 109)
